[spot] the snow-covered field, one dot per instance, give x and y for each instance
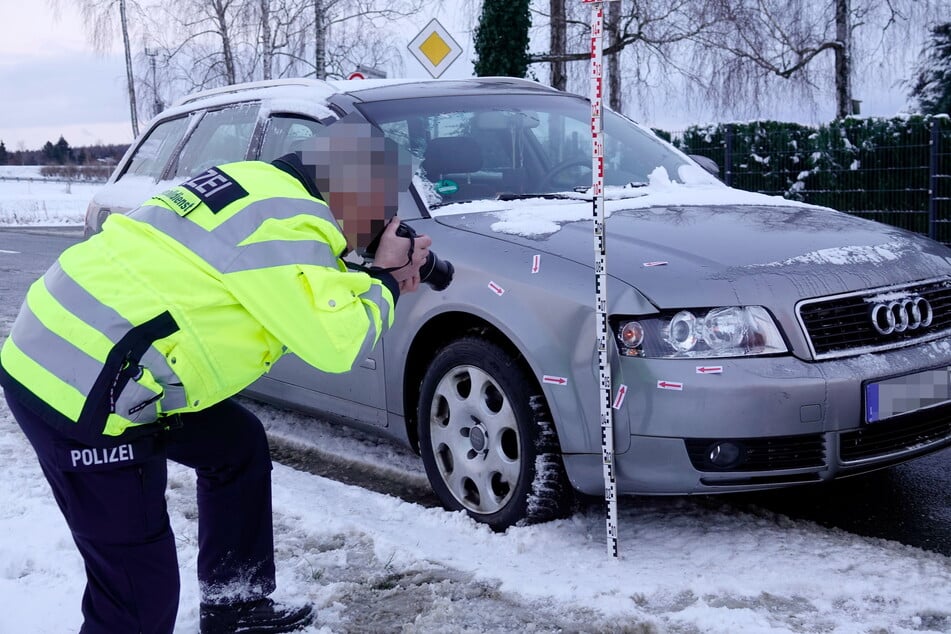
(374, 563)
(29, 202)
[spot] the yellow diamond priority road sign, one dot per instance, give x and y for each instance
(434, 48)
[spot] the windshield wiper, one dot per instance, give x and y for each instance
(507, 196)
(549, 195)
(584, 189)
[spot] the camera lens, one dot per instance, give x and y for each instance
(435, 272)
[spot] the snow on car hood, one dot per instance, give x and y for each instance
(711, 245)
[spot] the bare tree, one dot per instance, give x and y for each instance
(267, 53)
(130, 80)
(558, 35)
(843, 59)
(756, 40)
(652, 32)
(99, 17)
(352, 32)
(221, 23)
(320, 40)
(613, 32)
(211, 43)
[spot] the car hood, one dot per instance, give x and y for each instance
(695, 255)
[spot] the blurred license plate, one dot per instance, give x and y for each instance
(904, 394)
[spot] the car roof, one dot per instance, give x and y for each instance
(361, 90)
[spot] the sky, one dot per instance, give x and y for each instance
(54, 83)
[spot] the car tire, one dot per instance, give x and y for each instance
(487, 440)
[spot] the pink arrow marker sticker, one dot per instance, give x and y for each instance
(495, 288)
(556, 380)
(659, 263)
(619, 399)
(709, 369)
(536, 263)
(669, 385)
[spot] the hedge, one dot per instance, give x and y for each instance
(875, 167)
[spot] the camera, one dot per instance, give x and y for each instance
(435, 272)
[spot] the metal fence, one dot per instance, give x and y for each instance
(890, 171)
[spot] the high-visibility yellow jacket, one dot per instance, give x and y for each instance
(186, 301)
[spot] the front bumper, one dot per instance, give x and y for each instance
(795, 422)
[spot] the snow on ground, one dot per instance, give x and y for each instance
(374, 563)
(33, 202)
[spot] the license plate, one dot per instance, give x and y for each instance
(908, 393)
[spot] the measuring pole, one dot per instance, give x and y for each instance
(601, 273)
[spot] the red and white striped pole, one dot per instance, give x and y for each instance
(601, 274)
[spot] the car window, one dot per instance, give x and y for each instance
(222, 136)
(283, 133)
(476, 147)
(153, 153)
(563, 138)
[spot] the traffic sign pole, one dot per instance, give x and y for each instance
(601, 274)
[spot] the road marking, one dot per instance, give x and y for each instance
(10, 252)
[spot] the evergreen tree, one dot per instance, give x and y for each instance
(62, 151)
(49, 152)
(501, 40)
(3, 154)
(932, 83)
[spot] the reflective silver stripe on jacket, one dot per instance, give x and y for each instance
(375, 294)
(60, 356)
(219, 247)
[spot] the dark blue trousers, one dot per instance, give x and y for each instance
(114, 503)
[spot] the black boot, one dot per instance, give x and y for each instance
(254, 617)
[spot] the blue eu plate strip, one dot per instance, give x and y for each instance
(871, 402)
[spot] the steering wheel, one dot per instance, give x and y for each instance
(549, 179)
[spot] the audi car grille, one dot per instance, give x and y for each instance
(878, 319)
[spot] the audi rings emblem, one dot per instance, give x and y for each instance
(901, 315)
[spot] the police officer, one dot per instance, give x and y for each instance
(127, 351)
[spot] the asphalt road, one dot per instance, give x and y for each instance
(910, 503)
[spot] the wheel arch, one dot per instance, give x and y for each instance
(435, 334)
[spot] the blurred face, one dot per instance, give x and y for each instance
(360, 173)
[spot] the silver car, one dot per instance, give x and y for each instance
(757, 342)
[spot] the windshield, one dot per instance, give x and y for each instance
(478, 147)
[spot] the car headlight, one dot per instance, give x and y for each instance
(729, 331)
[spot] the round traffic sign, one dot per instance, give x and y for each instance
(356, 75)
